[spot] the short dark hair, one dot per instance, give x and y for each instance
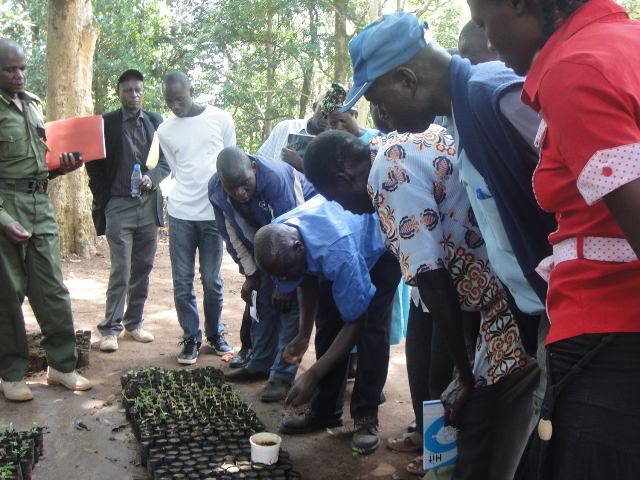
(230, 160)
(128, 75)
(271, 248)
(555, 10)
(176, 77)
(331, 152)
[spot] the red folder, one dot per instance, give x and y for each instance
(84, 135)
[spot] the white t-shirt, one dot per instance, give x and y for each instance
(191, 146)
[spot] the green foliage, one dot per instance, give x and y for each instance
(26, 23)
(633, 7)
(249, 57)
(142, 36)
(446, 18)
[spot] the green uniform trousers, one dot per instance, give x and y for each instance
(33, 269)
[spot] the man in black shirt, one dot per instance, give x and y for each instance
(129, 222)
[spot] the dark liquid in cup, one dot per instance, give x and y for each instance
(266, 443)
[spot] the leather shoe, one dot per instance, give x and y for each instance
(109, 343)
(71, 380)
(140, 335)
(275, 390)
(16, 391)
(365, 438)
(242, 358)
(309, 421)
(245, 375)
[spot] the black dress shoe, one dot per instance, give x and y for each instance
(245, 375)
(309, 421)
(242, 358)
(275, 390)
(365, 438)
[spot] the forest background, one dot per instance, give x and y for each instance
(261, 60)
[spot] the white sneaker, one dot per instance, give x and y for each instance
(71, 380)
(109, 343)
(16, 391)
(141, 335)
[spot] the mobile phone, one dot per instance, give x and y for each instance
(76, 155)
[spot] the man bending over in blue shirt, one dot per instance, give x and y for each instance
(346, 282)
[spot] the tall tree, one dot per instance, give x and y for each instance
(340, 41)
(72, 31)
(307, 62)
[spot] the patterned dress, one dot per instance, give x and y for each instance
(427, 222)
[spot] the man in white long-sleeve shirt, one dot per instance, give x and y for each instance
(277, 145)
(191, 140)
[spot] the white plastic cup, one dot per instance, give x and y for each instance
(267, 454)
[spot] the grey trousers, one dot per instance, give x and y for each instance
(132, 234)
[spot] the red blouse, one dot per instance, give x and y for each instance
(586, 85)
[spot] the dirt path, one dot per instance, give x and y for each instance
(74, 453)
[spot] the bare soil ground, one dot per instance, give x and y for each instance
(105, 449)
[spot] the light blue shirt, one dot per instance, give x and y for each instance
(501, 256)
(369, 134)
(341, 247)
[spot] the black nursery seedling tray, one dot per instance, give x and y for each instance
(19, 452)
(191, 425)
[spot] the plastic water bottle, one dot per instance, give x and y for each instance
(136, 176)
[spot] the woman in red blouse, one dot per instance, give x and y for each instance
(583, 64)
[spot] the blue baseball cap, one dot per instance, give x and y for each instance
(385, 44)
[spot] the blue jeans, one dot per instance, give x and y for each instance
(185, 237)
(273, 333)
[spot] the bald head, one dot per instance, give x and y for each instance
(13, 68)
(280, 252)
(7, 43)
(473, 44)
(237, 174)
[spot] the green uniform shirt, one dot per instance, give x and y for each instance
(22, 153)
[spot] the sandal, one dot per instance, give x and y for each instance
(412, 427)
(415, 467)
(407, 442)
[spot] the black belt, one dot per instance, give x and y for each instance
(23, 185)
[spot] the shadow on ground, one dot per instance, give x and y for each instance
(101, 451)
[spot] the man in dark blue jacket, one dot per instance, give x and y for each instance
(247, 192)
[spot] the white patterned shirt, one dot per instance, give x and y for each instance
(272, 147)
(427, 222)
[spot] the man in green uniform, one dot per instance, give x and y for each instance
(29, 242)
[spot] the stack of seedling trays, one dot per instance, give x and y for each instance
(19, 452)
(192, 426)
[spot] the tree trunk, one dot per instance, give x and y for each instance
(362, 104)
(268, 122)
(306, 91)
(72, 31)
(341, 46)
(307, 83)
